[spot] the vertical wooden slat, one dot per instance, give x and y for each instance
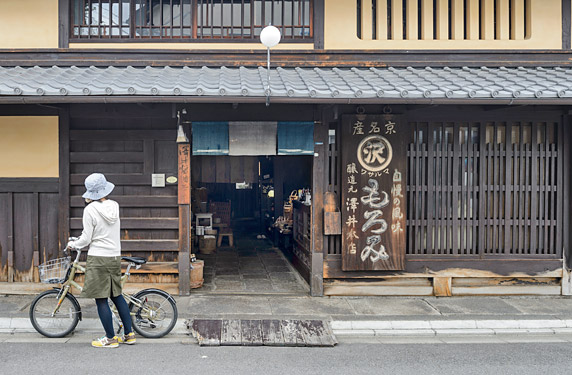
(508, 192)
(527, 195)
(457, 19)
(381, 20)
(482, 184)
(442, 17)
(540, 188)
(554, 196)
(534, 191)
(110, 15)
(547, 194)
(427, 20)
(431, 192)
(35, 236)
(495, 190)
(488, 19)
(412, 208)
(10, 244)
(412, 20)
(476, 198)
(489, 194)
(450, 197)
(397, 19)
(522, 191)
(420, 197)
(99, 19)
(456, 191)
(502, 20)
(366, 20)
(194, 19)
(463, 217)
(517, 19)
(472, 19)
(559, 190)
(425, 247)
(444, 187)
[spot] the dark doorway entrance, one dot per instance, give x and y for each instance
(246, 252)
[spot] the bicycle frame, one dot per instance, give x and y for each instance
(70, 282)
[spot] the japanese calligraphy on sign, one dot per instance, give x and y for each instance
(373, 188)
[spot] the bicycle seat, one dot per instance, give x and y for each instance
(136, 260)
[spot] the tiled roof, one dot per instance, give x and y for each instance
(407, 83)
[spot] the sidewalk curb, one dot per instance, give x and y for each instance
(449, 327)
(90, 325)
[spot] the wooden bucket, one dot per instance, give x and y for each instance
(207, 244)
(197, 274)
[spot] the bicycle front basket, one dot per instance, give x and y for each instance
(54, 271)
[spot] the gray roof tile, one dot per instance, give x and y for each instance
(350, 83)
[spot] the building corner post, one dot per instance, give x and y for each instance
(184, 201)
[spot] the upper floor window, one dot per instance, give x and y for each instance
(190, 19)
(444, 19)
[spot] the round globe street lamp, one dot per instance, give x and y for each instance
(270, 37)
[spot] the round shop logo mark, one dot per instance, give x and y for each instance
(374, 153)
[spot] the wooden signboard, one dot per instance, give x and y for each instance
(184, 173)
(374, 160)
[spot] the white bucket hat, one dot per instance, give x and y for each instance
(97, 187)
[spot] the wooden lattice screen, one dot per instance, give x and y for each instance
(479, 189)
(487, 189)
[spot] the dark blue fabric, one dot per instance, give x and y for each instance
(210, 138)
(104, 313)
(295, 138)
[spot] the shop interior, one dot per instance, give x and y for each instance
(244, 219)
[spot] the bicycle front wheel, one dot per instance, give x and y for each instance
(157, 314)
(50, 324)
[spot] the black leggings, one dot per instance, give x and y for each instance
(104, 313)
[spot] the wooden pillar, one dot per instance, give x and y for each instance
(64, 178)
(318, 23)
(184, 200)
(442, 286)
(36, 237)
(566, 24)
(10, 215)
(318, 188)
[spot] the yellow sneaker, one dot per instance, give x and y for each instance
(105, 342)
(127, 339)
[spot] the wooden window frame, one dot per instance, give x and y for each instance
(67, 25)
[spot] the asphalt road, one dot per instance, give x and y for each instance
(478, 355)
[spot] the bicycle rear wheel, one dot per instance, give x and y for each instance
(49, 324)
(157, 314)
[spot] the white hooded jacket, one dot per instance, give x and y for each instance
(101, 229)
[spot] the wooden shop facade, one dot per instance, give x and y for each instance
(433, 136)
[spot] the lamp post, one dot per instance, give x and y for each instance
(270, 37)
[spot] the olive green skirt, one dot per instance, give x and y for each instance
(102, 277)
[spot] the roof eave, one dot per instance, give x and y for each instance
(10, 99)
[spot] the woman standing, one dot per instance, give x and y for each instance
(101, 232)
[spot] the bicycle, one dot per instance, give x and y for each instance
(57, 312)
